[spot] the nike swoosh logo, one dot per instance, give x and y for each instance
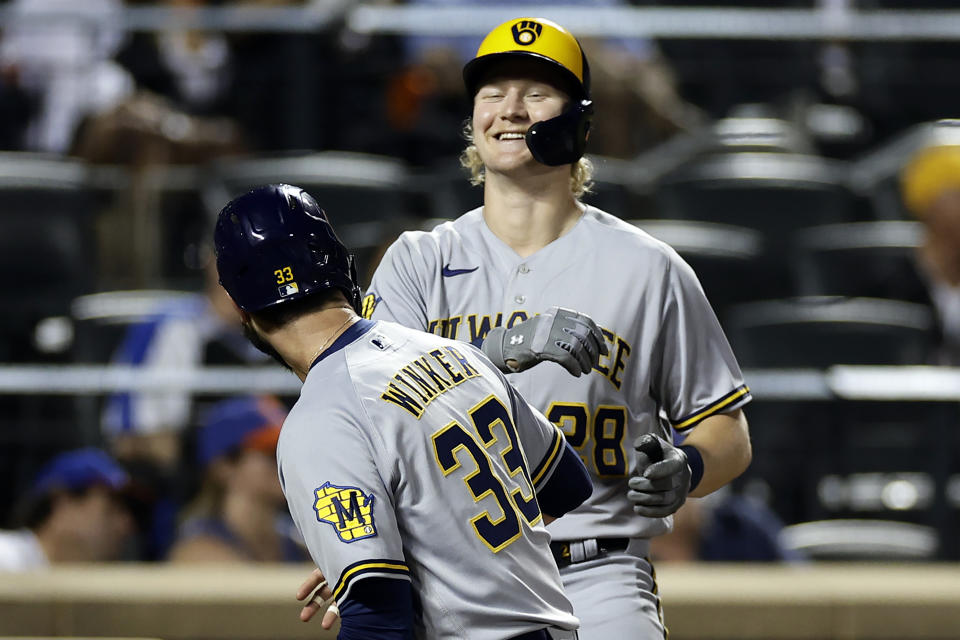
(448, 272)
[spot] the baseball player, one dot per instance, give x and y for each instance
(484, 278)
(419, 478)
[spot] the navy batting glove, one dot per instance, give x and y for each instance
(569, 338)
(663, 477)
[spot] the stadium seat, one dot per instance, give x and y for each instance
(47, 248)
(759, 133)
(731, 262)
(351, 187)
(774, 193)
(446, 188)
(783, 435)
(848, 539)
(101, 322)
(367, 197)
(822, 331)
(841, 458)
(865, 259)
(47, 257)
(101, 319)
(613, 189)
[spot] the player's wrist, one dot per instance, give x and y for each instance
(492, 347)
(695, 461)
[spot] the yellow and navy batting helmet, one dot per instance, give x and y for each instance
(532, 38)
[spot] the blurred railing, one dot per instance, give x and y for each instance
(840, 382)
(831, 22)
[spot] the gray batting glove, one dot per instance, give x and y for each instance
(663, 479)
(560, 335)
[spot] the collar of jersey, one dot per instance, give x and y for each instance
(356, 330)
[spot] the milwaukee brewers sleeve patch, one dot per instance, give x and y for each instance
(349, 510)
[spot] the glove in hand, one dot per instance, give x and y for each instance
(559, 335)
(663, 479)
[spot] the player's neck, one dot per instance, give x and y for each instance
(301, 341)
(528, 218)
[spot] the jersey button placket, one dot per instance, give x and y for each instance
(522, 269)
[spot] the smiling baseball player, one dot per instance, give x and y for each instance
(496, 275)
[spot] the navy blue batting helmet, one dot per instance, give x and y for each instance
(275, 245)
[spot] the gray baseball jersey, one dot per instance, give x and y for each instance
(669, 365)
(409, 456)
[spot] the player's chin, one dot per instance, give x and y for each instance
(504, 158)
(521, 165)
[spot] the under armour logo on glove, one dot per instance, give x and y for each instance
(559, 335)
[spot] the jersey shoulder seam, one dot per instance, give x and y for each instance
(369, 433)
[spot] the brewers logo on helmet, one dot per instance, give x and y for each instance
(532, 38)
(561, 140)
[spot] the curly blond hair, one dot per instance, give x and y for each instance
(581, 172)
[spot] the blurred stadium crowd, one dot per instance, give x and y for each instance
(812, 183)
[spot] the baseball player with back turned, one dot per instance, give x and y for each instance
(418, 476)
(533, 246)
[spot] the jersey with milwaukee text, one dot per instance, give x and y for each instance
(410, 456)
(669, 363)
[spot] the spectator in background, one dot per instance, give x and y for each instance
(931, 191)
(190, 67)
(240, 514)
(66, 66)
(723, 527)
(148, 430)
(630, 79)
(75, 512)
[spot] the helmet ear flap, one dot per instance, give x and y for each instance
(563, 139)
(354, 297)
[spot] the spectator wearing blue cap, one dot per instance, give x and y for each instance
(239, 513)
(74, 512)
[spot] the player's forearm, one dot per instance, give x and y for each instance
(378, 608)
(567, 488)
(724, 442)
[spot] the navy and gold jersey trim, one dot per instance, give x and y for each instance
(737, 396)
(379, 567)
(556, 446)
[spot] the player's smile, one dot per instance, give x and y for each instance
(511, 141)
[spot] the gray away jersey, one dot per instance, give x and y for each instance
(670, 364)
(409, 456)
